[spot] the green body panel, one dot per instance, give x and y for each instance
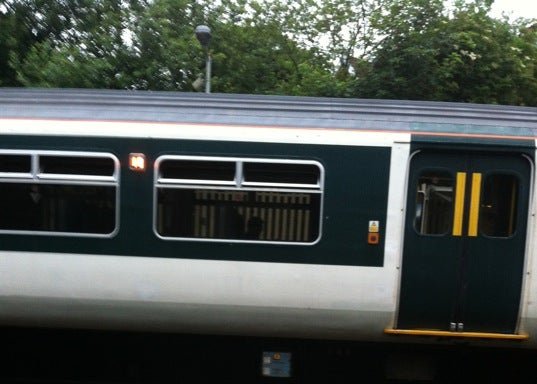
(355, 192)
(475, 281)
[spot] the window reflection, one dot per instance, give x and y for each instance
(434, 203)
(499, 206)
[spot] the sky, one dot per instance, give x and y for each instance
(516, 8)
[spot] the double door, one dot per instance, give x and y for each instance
(465, 241)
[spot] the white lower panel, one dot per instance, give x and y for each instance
(188, 281)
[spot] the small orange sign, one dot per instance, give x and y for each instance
(373, 238)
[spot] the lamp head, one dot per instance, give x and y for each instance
(203, 34)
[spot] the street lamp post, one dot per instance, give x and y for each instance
(203, 34)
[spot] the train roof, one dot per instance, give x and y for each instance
(262, 110)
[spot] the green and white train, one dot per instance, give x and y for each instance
(292, 217)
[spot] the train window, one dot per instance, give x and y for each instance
(278, 173)
(77, 165)
(57, 208)
(434, 203)
(13, 163)
(76, 198)
(498, 209)
(282, 211)
(197, 170)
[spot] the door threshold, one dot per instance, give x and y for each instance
(470, 335)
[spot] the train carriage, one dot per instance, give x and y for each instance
(277, 216)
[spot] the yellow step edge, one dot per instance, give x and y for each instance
(473, 335)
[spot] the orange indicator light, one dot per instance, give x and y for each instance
(137, 162)
(373, 238)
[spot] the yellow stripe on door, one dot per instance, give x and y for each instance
(458, 215)
(474, 204)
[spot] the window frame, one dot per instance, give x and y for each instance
(452, 175)
(237, 184)
(35, 176)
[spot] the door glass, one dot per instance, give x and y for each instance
(499, 207)
(434, 203)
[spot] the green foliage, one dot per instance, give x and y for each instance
(399, 49)
(18, 32)
(71, 43)
(466, 56)
(339, 31)
(270, 58)
(273, 63)
(312, 80)
(164, 46)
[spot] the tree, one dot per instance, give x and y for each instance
(22, 26)
(166, 53)
(250, 52)
(151, 45)
(429, 53)
(82, 45)
(399, 49)
(253, 55)
(492, 61)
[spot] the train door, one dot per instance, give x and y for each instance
(464, 245)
